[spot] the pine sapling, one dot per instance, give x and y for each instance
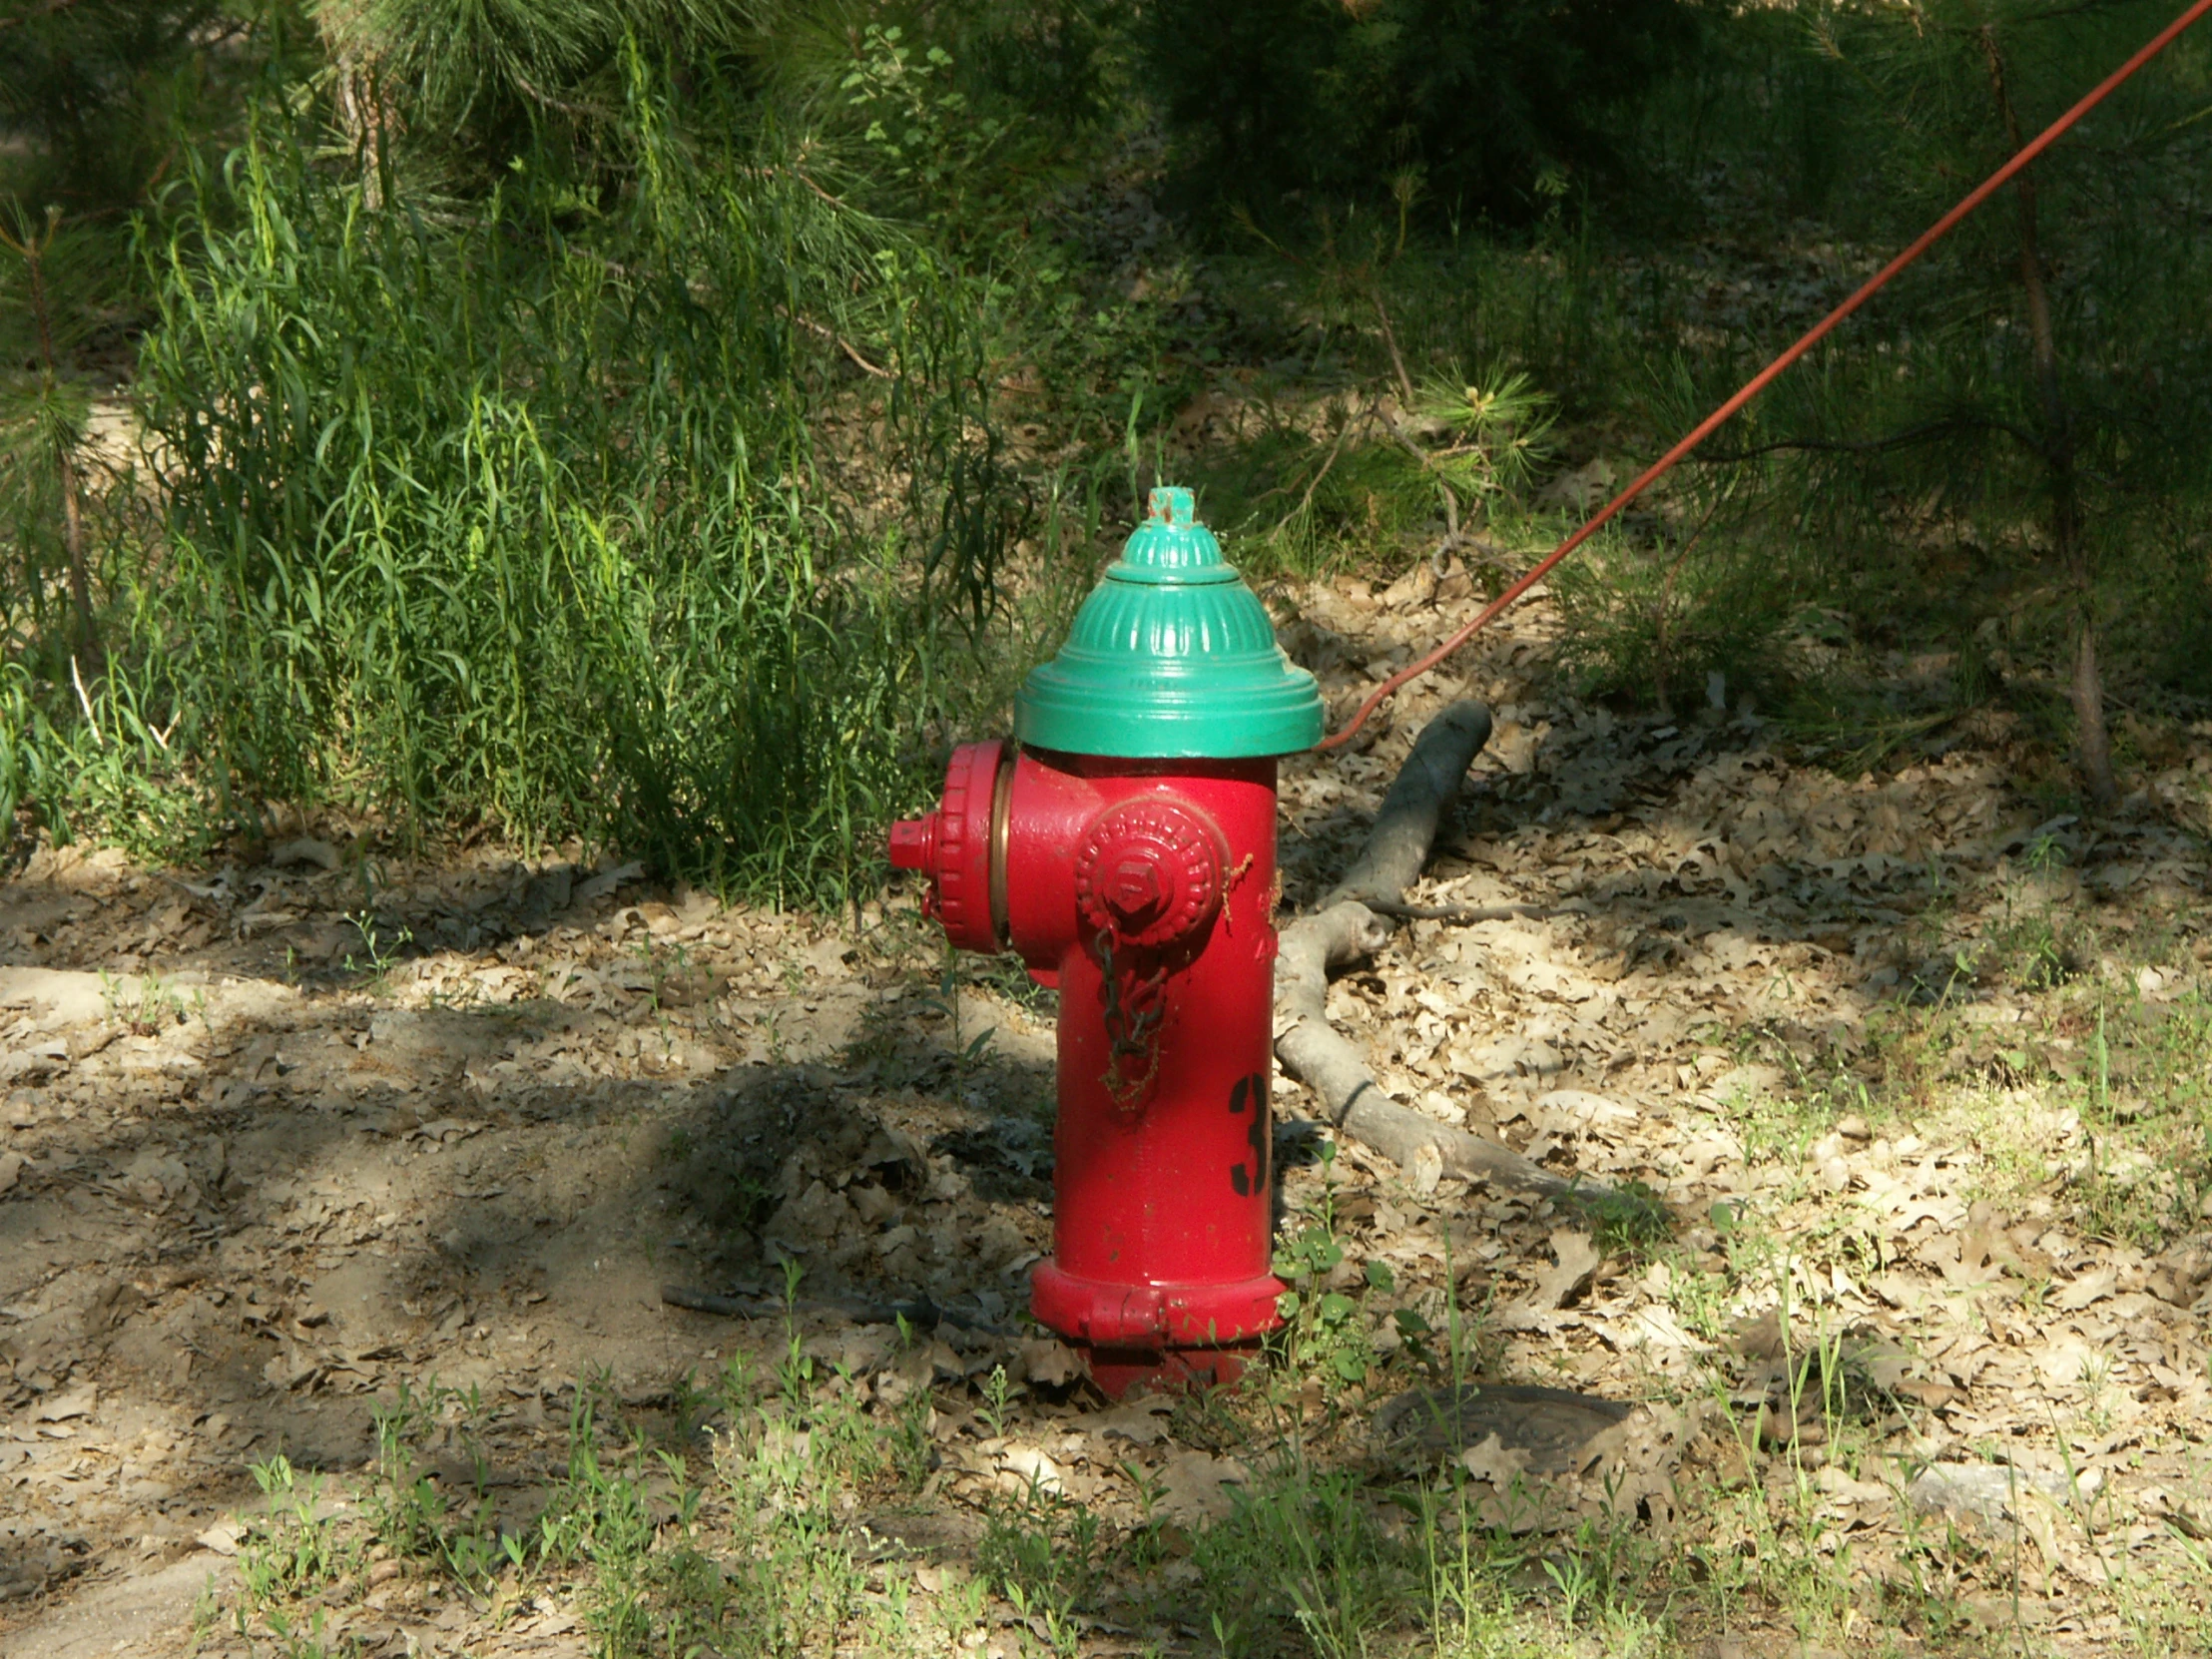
(2057, 447)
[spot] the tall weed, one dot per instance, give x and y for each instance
(524, 512)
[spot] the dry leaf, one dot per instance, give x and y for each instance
(1494, 1463)
(1760, 1337)
(1032, 1470)
(78, 1403)
(1194, 1487)
(1048, 1360)
(1554, 1430)
(1577, 1261)
(1989, 1490)
(2091, 1287)
(1138, 1421)
(307, 849)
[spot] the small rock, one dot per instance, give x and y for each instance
(1853, 1127)
(1987, 1490)
(306, 850)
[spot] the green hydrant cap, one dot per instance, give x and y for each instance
(1170, 657)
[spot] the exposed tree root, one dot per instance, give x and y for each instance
(1345, 928)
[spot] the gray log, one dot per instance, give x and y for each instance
(1344, 930)
(1404, 828)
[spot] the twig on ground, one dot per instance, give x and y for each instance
(1463, 914)
(806, 322)
(919, 1315)
(1334, 449)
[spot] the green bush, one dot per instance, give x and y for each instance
(1481, 101)
(1652, 626)
(522, 513)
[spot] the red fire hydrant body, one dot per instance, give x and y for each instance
(1126, 851)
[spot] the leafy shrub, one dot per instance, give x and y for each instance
(521, 514)
(1335, 99)
(1654, 624)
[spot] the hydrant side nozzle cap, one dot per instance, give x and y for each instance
(1170, 657)
(912, 842)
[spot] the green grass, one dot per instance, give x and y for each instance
(545, 553)
(731, 1523)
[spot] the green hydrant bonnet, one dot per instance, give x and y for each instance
(1170, 657)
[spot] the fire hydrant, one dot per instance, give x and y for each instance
(1124, 846)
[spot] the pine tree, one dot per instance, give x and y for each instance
(2038, 392)
(1321, 102)
(88, 90)
(453, 91)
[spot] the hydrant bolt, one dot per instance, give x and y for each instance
(914, 842)
(1133, 893)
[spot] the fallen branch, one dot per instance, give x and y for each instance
(1346, 928)
(1405, 826)
(806, 322)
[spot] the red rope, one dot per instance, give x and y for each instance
(1759, 382)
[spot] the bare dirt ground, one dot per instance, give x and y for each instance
(1917, 1067)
